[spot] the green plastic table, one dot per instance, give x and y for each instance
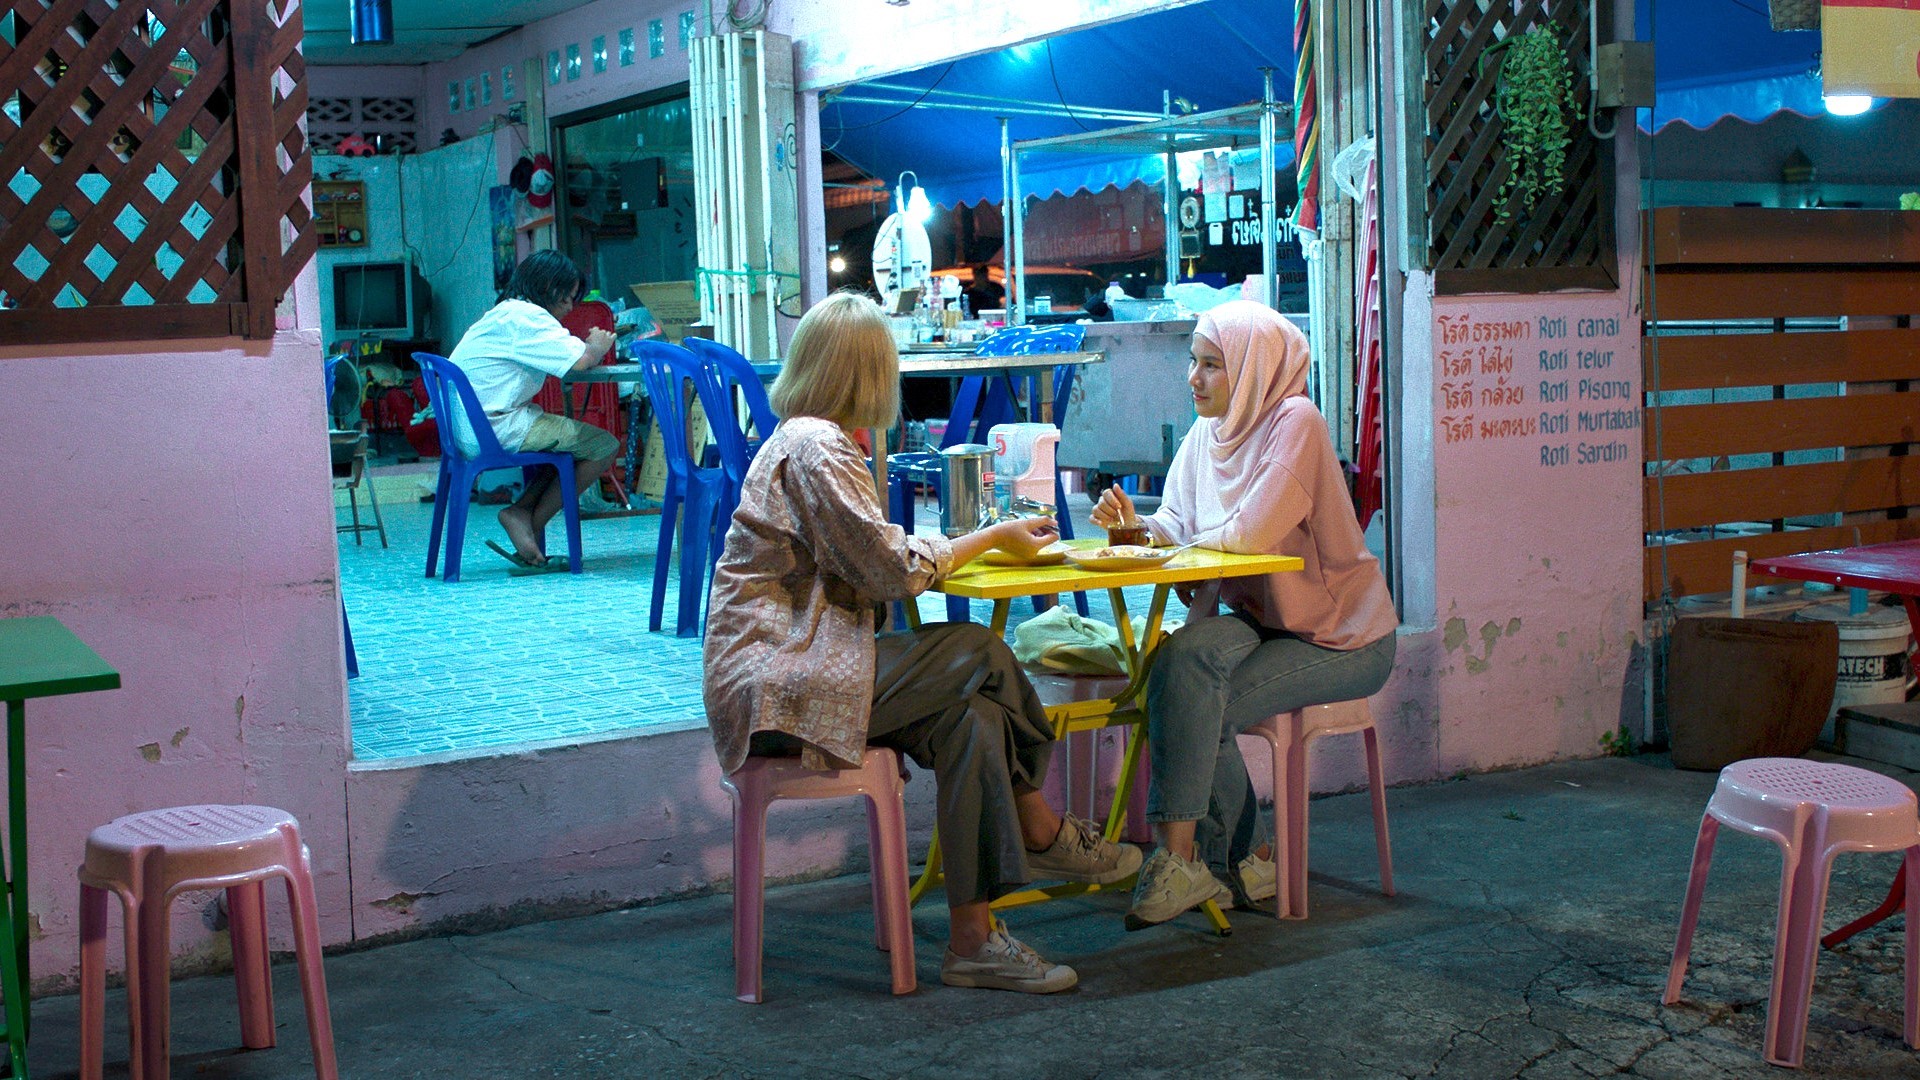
(38, 658)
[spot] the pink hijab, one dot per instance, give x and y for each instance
(1267, 359)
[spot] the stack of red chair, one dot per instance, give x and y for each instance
(594, 403)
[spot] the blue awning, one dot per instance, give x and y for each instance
(1714, 59)
(1720, 59)
(1208, 55)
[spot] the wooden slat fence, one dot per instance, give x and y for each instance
(1857, 272)
(157, 168)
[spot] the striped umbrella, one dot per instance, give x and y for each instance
(1306, 112)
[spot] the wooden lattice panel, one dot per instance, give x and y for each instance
(158, 168)
(1565, 240)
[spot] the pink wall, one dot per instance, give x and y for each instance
(170, 504)
(573, 828)
(1537, 467)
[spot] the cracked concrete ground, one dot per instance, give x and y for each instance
(1530, 938)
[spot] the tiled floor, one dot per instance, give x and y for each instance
(494, 661)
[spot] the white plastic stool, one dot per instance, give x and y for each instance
(1288, 734)
(1813, 810)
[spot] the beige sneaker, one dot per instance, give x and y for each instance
(1259, 878)
(1004, 963)
(1170, 885)
(1080, 853)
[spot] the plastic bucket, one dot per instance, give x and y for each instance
(1873, 654)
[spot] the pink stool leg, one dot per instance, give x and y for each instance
(253, 982)
(1138, 831)
(1803, 900)
(149, 922)
(874, 877)
(1376, 779)
(749, 864)
(1291, 867)
(1910, 866)
(1690, 909)
(313, 975)
(889, 858)
(93, 981)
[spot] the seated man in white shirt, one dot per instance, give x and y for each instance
(507, 356)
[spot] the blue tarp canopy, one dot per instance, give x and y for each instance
(1208, 54)
(1714, 59)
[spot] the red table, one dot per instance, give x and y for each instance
(1893, 568)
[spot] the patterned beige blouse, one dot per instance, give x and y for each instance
(790, 619)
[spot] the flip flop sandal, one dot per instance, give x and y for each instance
(551, 566)
(513, 557)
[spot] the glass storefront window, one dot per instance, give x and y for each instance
(625, 195)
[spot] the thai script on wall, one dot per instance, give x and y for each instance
(1561, 386)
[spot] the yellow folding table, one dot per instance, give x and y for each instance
(1004, 584)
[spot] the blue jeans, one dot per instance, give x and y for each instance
(1215, 678)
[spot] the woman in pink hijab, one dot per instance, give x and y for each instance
(1256, 473)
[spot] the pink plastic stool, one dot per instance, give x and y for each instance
(1813, 810)
(151, 857)
(1288, 735)
(762, 780)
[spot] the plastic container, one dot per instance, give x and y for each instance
(1023, 462)
(1873, 655)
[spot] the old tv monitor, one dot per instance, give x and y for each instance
(387, 299)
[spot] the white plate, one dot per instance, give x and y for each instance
(1123, 557)
(1051, 555)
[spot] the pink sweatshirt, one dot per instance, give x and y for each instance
(1291, 500)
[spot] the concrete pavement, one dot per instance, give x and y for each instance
(1530, 938)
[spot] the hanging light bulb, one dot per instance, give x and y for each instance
(370, 22)
(913, 198)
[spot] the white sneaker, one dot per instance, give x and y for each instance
(1004, 963)
(1170, 885)
(1080, 853)
(1259, 878)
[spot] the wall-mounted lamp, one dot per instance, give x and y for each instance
(913, 199)
(370, 22)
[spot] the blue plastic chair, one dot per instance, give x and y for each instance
(736, 373)
(694, 495)
(980, 403)
(446, 384)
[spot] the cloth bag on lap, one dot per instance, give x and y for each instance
(1059, 640)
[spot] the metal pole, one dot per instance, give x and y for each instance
(1170, 199)
(768, 347)
(1015, 217)
(1270, 281)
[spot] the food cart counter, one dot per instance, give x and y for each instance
(1128, 415)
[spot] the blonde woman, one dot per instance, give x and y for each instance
(793, 665)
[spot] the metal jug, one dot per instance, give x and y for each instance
(966, 490)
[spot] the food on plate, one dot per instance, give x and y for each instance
(1052, 553)
(1124, 551)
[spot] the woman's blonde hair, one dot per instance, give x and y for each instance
(841, 365)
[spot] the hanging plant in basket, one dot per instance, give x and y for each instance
(1534, 98)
